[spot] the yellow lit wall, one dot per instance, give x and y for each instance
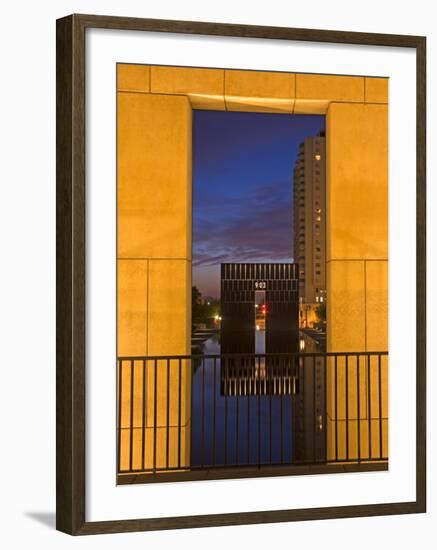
(357, 268)
(154, 216)
(154, 258)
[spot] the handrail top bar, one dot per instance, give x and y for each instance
(253, 355)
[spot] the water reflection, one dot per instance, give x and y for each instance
(241, 411)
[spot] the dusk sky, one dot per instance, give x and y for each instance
(242, 189)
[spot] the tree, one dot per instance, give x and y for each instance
(321, 315)
(203, 311)
(196, 305)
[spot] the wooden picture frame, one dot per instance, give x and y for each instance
(71, 279)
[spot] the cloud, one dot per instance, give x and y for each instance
(253, 227)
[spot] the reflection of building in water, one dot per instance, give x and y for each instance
(258, 376)
(309, 440)
(309, 203)
(259, 304)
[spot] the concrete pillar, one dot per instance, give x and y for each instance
(357, 271)
(154, 266)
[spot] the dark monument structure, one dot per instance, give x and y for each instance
(240, 282)
(259, 310)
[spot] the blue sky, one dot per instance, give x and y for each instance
(242, 189)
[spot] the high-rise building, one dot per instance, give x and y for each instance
(309, 210)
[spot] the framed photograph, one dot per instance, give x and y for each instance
(240, 274)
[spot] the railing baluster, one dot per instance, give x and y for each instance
(131, 419)
(336, 405)
(358, 410)
(237, 410)
(249, 376)
(167, 443)
(259, 412)
(347, 405)
(179, 411)
(325, 409)
(202, 366)
(155, 412)
(226, 412)
(380, 405)
(283, 379)
(270, 388)
(295, 399)
(369, 411)
(214, 413)
(143, 439)
(314, 410)
(120, 402)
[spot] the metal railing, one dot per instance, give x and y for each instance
(200, 412)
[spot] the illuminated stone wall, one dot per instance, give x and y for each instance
(154, 259)
(357, 269)
(154, 216)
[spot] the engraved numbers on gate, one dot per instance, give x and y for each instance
(260, 285)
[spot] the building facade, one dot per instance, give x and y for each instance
(309, 218)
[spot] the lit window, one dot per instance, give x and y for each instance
(317, 157)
